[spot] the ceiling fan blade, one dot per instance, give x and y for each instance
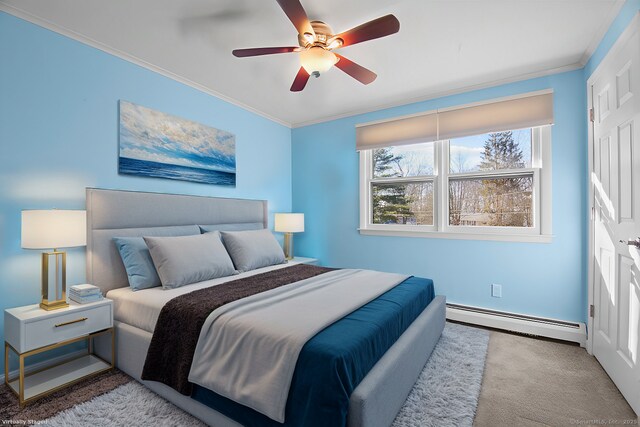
(300, 81)
(294, 10)
(356, 71)
(377, 28)
(257, 51)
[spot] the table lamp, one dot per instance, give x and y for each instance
(289, 223)
(53, 229)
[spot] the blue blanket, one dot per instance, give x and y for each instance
(333, 362)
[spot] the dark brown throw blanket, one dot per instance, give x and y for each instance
(178, 328)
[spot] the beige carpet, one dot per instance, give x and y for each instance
(535, 382)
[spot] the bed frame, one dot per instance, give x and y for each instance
(376, 400)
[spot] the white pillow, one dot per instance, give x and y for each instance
(189, 259)
(253, 249)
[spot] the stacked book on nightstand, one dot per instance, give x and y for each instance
(83, 294)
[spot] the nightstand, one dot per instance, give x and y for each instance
(29, 330)
(303, 260)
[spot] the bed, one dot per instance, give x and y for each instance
(376, 394)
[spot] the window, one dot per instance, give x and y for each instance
(402, 185)
(494, 185)
(491, 180)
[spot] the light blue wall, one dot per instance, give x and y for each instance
(59, 134)
(538, 279)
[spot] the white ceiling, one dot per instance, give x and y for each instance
(443, 46)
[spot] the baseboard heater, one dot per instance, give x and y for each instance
(530, 325)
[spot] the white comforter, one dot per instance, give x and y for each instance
(248, 349)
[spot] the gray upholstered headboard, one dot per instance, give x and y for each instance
(117, 213)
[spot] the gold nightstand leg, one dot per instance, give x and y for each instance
(21, 381)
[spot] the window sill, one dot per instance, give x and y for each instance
(525, 238)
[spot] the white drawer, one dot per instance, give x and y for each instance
(51, 330)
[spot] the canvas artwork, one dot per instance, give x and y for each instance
(159, 145)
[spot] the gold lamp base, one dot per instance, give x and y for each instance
(53, 305)
(288, 246)
(56, 299)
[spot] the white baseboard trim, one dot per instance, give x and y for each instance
(40, 365)
(543, 327)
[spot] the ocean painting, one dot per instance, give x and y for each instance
(159, 145)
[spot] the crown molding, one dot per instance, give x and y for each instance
(428, 96)
(29, 17)
(601, 32)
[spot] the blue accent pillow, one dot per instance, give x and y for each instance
(137, 262)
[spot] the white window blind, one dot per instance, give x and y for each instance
(403, 131)
(527, 111)
(520, 113)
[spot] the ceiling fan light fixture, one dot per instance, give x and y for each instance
(317, 60)
(335, 44)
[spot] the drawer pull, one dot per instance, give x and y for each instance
(82, 319)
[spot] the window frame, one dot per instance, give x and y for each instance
(541, 197)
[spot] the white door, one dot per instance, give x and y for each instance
(615, 180)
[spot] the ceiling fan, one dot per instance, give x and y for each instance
(317, 42)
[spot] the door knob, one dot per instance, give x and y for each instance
(635, 242)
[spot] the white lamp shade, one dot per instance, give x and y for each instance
(49, 229)
(289, 222)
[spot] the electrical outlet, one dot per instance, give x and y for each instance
(496, 291)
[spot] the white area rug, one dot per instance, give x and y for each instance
(446, 393)
(131, 404)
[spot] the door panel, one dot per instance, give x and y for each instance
(625, 168)
(627, 277)
(605, 168)
(603, 104)
(606, 299)
(623, 84)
